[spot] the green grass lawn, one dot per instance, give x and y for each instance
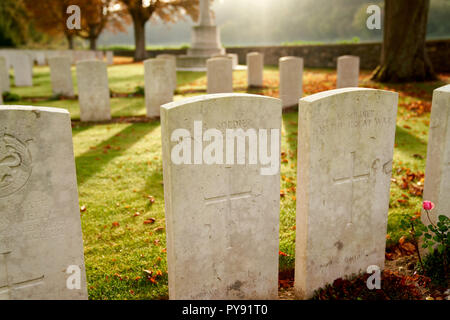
(120, 182)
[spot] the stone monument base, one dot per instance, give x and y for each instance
(185, 61)
(198, 64)
(205, 41)
(205, 44)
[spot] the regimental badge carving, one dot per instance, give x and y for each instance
(15, 164)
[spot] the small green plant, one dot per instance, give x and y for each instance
(10, 97)
(435, 239)
(139, 91)
(436, 236)
(434, 267)
(56, 97)
(416, 229)
(394, 286)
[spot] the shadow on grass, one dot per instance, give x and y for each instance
(78, 129)
(154, 184)
(407, 142)
(290, 124)
(186, 77)
(134, 107)
(92, 161)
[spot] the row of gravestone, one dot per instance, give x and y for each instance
(220, 75)
(93, 80)
(221, 166)
(40, 57)
(22, 61)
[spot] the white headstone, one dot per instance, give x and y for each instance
(65, 53)
(99, 55)
(23, 70)
(219, 75)
(235, 58)
(345, 149)
(91, 55)
(83, 55)
(51, 54)
(158, 74)
(61, 76)
(255, 69)
(4, 75)
(41, 246)
(222, 218)
(93, 91)
(110, 58)
(437, 173)
(77, 56)
(291, 80)
(347, 71)
(6, 54)
(173, 66)
(40, 58)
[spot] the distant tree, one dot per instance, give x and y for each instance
(403, 55)
(166, 10)
(98, 15)
(13, 23)
(51, 17)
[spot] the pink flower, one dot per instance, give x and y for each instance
(428, 205)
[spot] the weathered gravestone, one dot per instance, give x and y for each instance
(41, 246)
(234, 58)
(77, 56)
(23, 70)
(4, 75)
(82, 55)
(158, 84)
(6, 55)
(291, 76)
(255, 69)
(437, 174)
(93, 91)
(347, 71)
(219, 75)
(222, 206)
(40, 57)
(51, 54)
(173, 67)
(91, 55)
(99, 55)
(345, 149)
(61, 76)
(110, 58)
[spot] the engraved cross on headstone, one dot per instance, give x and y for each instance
(228, 198)
(6, 288)
(352, 179)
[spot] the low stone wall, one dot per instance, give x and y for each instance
(325, 56)
(317, 56)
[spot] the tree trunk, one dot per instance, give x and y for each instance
(93, 43)
(92, 36)
(139, 39)
(403, 53)
(70, 41)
